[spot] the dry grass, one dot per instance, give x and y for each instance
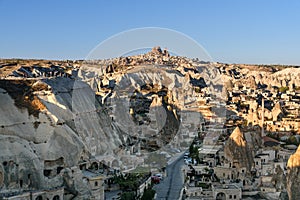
(22, 93)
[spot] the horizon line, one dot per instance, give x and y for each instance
(219, 62)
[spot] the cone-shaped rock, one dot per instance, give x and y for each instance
(237, 150)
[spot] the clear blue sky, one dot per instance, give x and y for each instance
(234, 31)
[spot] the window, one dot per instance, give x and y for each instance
(58, 170)
(234, 196)
(47, 172)
(230, 196)
(96, 184)
(82, 167)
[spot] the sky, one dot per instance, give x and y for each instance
(231, 31)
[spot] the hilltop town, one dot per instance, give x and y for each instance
(89, 129)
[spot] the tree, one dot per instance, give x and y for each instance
(283, 89)
(127, 196)
(148, 194)
(293, 140)
(194, 153)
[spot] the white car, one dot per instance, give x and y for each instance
(160, 176)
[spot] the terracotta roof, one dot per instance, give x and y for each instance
(269, 139)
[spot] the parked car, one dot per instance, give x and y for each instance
(160, 176)
(155, 179)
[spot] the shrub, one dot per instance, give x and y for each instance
(148, 194)
(283, 89)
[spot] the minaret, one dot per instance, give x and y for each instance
(262, 117)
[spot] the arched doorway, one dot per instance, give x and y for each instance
(221, 196)
(56, 197)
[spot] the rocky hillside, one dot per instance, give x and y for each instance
(45, 132)
(58, 116)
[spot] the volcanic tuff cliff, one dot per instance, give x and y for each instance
(58, 116)
(45, 131)
(55, 118)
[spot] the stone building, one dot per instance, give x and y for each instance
(226, 192)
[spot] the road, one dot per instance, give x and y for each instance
(170, 187)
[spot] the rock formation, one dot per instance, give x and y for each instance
(293, 175)
(237, 151)
(59, 121)
(277, 112)
(61, 116)
(49, 132)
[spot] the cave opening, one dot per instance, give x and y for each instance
(58, 170)
(47, 172)
(21, 183)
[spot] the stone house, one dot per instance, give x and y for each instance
(266, 184)
(283, 155)
(95, 182)
(227, 191)
(224, 173)
(199, 193)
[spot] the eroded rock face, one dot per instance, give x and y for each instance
(61, 120)
(237, 151)
(19, 164)
(39, 142)
(293, 176)
(146, 100)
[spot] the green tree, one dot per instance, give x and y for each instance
(127, 196)
(148, 194)
(293, 140)
(194, 153)
(283, 89)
